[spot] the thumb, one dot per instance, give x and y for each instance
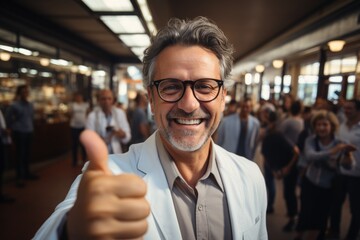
(96, 151)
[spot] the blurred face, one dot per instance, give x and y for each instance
(232, 108)
(78, 98)
(188, 124)
(323, 128)
(287, 102)
(264, 116)
(350, 110)
(24, 94)
(246, 108)
(106, 100)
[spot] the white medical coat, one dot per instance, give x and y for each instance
(243, 182)
(97, 122)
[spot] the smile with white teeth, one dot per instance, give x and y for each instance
(188, 121)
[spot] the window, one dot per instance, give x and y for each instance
(348, 64)
(340, 65)
(307, 88)
(287, 83)
(332, 67)
(307, 82)
(334, 88)
(350, 87)
(265, 90)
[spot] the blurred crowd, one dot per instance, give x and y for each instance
(314, 150)
(118, 127)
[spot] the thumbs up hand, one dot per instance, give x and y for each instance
(107, 206)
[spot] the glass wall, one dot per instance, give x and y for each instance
(340, 72)
(307, 82)
(334, 89)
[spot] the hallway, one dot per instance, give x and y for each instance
(35, 203)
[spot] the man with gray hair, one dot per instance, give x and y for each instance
(109, 122)
(178, 184)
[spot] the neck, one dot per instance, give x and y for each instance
(191, 165)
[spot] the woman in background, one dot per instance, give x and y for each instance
(78, 112)
(323, 151)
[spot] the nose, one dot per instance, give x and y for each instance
(188, 102)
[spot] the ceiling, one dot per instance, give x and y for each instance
(255, 27)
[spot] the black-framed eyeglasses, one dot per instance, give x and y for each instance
(172, 90)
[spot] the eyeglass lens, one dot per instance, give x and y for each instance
(173, 89)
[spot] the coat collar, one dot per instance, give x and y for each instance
(160, 198)
(159, 195)
(236, 188)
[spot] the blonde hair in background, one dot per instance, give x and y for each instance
(327, 115)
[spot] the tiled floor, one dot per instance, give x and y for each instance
(37, 200)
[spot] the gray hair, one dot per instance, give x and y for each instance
(199, 31)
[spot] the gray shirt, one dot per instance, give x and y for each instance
(202, 212)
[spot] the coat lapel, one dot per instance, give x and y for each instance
(235, 188)
(158, 194)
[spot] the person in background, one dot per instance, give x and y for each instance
(195, 188)
(348, 182)
(284, 109)
(322, 153)
(263, 116)
(238, 133)
(140, 127)
(232, 107)
(5, 140)
(293, 124)
(109, 122)
(78, 110)
(340, 109)
(19, 118)
(291, 128)
(280, 157)
(304, 134)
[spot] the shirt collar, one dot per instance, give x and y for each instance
(171, 171)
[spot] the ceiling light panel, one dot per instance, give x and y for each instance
(138, 51)
(109, 5)
(136, 40)
(123, 24)
(145, 10)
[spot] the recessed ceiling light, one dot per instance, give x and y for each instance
(136, 40)
(109, 5)
(123, 24)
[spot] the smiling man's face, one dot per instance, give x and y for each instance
(188, 124)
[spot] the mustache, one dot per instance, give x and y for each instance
(179, 113)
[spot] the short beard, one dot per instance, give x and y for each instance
(183, 145)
